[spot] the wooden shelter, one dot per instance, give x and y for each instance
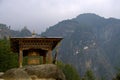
(33, 47)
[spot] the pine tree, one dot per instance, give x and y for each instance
(7, 58)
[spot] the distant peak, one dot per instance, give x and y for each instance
(89, 15)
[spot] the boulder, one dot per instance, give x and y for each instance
(45, 71)
(35, 72)
(1, 73)
(16, 74)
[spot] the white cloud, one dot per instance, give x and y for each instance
(39, 14)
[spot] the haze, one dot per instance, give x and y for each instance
(40, 14)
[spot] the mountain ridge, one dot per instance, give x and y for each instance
(6, 32)
(89, 43)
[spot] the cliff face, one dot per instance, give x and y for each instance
(90, 42)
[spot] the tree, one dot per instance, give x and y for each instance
(8, 59)
(69, 71)
(117, 77)
(89, 75)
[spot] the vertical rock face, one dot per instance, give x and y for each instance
(36, 72)
(90, 42)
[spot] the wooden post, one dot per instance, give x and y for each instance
(20, 57)
(44, 59)
(49, 56)
(56, 54)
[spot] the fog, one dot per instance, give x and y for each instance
(40, 14)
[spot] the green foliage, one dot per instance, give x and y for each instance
(69, 71)
(7, 58)
(117, 77)
(72, 74)
(89, 75)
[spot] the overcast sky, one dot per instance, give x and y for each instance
(40, 14)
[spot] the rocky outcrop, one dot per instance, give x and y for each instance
(35, 72)
(1, 73)
(16, 74)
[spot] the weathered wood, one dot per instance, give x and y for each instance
(20, 57)
(33, 57)
(39, 46)
(49, 56)
(44, 59)
(46, 43)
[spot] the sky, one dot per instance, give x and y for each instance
(38, 15)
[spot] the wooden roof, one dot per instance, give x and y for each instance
(33, 43)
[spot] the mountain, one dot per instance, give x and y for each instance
(90, 42)
(5, 32)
